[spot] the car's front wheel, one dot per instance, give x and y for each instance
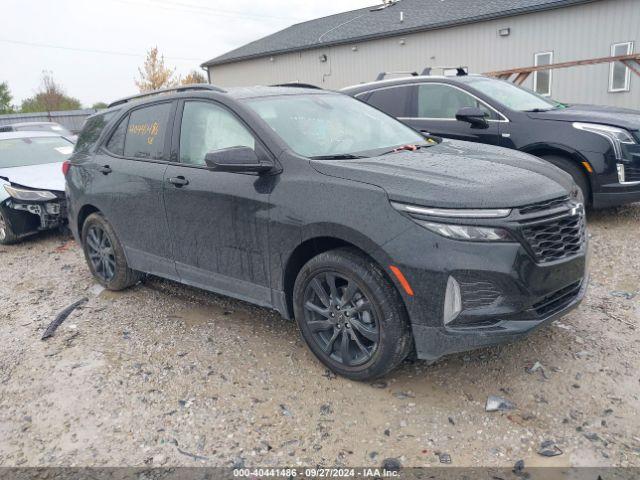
(7, 235)
(105, 255)
(351, 315)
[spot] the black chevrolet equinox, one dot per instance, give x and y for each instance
(376, 239)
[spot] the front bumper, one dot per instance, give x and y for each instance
(28, 218)
(435, 342)
(506, 290)
(616, 195)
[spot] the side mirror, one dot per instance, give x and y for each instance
(235, 159)
(473, 115)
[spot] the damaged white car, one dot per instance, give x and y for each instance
(32, 197)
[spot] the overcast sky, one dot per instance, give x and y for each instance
(93, 48)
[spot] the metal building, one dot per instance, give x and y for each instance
(483, 35)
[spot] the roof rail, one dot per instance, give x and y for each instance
(381, 75)
(461, 71)
(298, 85)
(182, 88)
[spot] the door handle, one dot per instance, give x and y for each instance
(106, 169)
(179, 181)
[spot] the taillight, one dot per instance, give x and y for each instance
(66, 165)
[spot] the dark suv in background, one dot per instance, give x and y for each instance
(376, 239)
(598, 146)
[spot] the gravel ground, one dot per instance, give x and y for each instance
(165, 375)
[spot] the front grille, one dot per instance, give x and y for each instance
(557, 300)
(478, 294)
(554, 229)
(631, 174)
(556, 238)
(541, 206)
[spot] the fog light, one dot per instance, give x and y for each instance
(452, 301)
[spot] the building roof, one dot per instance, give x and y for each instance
(372, 22)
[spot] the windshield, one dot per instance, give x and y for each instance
(331, 125)
(20, 152)
(512, 96)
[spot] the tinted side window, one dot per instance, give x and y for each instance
(392, 101)
(92, 130)
(443, 101)
(146, 132)
(207, 127)
(116, 142)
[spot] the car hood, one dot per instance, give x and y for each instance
(617, 117)
(47, 176)
(456, 174)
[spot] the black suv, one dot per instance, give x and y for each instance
(598, 146)
(376, 239)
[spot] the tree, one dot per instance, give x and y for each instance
(194, 77)
(99, 105)
(50, 97)
(5, 99)
(154, 74)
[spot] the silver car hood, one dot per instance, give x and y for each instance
(47, 176)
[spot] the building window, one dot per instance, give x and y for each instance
(619, 73)
(542, 79)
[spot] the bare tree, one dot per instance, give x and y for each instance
(194, 77)
(154, 74)
(50, 97)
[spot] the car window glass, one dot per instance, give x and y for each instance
(443, 101)
(116, 142)
(321, 124)
(91, 131)
(206, 128)
(146, 132)
(25, 151)
(392, 101)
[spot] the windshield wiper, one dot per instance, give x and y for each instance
(337, 156)
(538, 110)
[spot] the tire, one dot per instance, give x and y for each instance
(105, 256)
(365, 308)
(576, 173)
(7, 235)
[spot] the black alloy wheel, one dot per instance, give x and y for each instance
(351, 315)
(104, 254)
(341, 318)
(100, 252)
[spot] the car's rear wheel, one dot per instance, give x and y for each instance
(105, 255)
(7, 235)
(351, 315)
(576, 173)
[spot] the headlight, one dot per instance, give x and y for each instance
(470, 233)
(467, 232)
(616, 136)
(29, 195)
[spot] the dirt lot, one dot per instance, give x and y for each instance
(164, 374)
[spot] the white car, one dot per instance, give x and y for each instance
(32, 197)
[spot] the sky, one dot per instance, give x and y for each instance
(93, 48)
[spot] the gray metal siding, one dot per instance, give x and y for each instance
(572, 33)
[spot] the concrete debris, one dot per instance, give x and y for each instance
(548, 448)
(498, 404)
